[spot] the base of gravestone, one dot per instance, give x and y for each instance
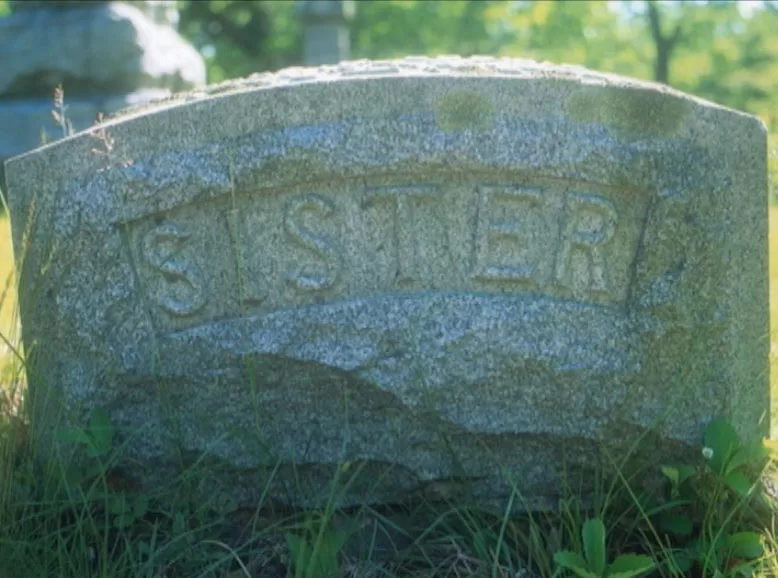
(583, 472)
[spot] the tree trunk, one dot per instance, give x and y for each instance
(664, 44)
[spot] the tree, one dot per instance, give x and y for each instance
(665, 43)
(590, 34)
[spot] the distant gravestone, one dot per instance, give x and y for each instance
(477, 272)
(325, 24)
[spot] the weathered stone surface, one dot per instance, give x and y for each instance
(431, 268)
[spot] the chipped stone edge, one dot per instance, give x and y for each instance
(451, 66)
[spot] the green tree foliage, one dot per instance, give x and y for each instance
(239, 37)
(383, 29)
(591, 34)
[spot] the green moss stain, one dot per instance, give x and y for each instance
(629, 110)
(464, 111)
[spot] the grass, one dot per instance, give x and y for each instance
(706, 518)
(774, 316)
(7, 283)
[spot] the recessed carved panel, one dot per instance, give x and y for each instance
(256, 253)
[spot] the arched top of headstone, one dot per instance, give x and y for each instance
(417, 70)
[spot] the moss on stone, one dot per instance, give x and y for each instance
(630, 110)
(463, 111)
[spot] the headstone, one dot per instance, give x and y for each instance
(107, 56)
(432, 272)
(326, 38)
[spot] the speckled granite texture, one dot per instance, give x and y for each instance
(441, 271)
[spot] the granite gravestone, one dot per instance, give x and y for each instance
(479, 271)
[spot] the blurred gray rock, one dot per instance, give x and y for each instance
(160, 11)
(454, 277)
(105, 48)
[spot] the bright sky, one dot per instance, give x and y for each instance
(746, 7)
